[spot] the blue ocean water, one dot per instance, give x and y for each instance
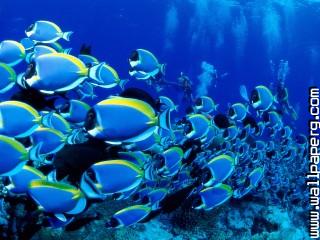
(237, 37)
(245, 41)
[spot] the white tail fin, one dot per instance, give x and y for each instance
(95, 72)
(244, 93)
(66, 35)
(165, 120)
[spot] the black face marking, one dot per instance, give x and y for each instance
(198, 102)
(134, 56)
(255, 96)
(91, 120)
(187, 128)
(30, 28)
(232, 113)
(91, 175)
(207, 176)
(31, 70)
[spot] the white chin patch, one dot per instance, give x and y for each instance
(28, 34)
(94, 132)
(256, 104)
(134, 63)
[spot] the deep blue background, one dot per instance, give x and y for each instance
(115, 28)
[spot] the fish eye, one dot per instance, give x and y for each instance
(255, 96)
(187, 128)
(92, 175)
(30, 28)
(31, 70)
(90, 121)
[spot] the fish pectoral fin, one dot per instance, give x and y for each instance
(94, 72)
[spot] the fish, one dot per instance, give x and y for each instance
(198, 126)
(144, 64)
(8, 78)
(39, 50)
(11, 52)
(166, 103)
(13, 156)
(108, 78)
(112, 176)
(214, 196)
(86, 90)
(58, 72)
(57, 198)
(74, 111)
(46, 141)
(19, 182)
(221, 167)
(56, 121)
(18, 119)
(155, 196)
(46, 32)
(205, 104)
(128, 216)
(110, 120)
(261, 97)
(238, 111)
(231, 133)
(170, 161)
(148, 144)
(273, 120)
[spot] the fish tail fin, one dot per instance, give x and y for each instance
(67, 50)
(122, 83)
(244, 93)
(46, 120)
(66, 35)
(95, 72)
(165, 120)
(21, 81)
(34, 153)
